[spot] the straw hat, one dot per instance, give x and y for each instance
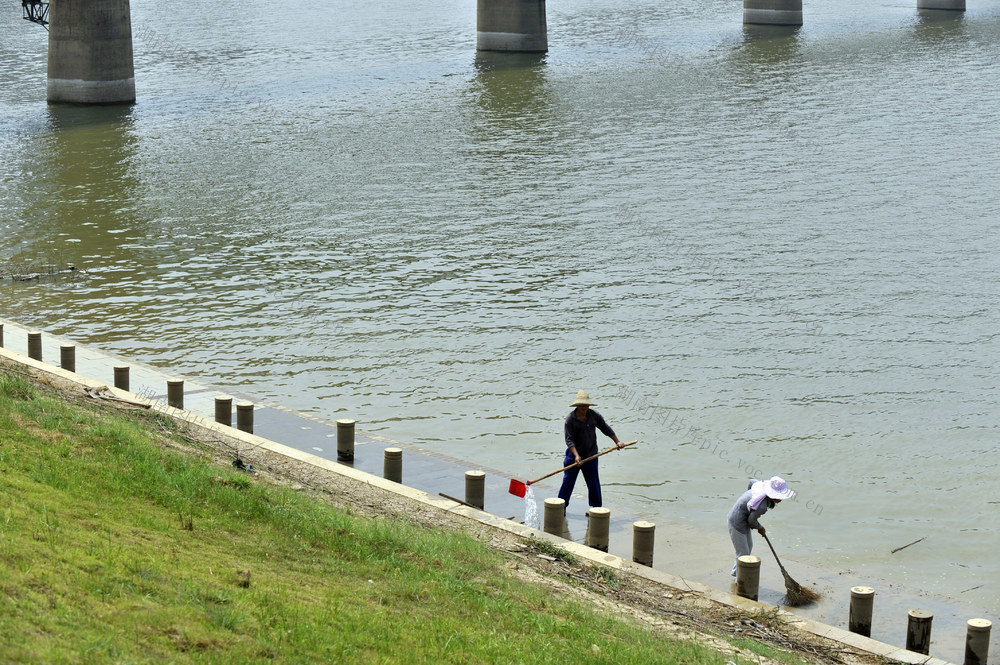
(776, 488)
(583, 399)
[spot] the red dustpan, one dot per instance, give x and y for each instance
(517, 488)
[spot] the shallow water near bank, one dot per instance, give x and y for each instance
(762, 251)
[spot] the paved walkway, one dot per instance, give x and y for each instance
(681, 548)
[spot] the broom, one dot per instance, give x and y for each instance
(795, 592)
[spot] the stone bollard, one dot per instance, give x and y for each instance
(67, 357)
(860, 614)
(554, 521)
(121, 377)
(244, 417)
(35, 345)
(392, 467)
(224, 410)
(175, 393)
(475, 488)
(345, 440)
(642, 542)
(748, 576)
(918, 631)
(598, 528)
(977, 641)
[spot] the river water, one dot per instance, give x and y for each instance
(763, 251)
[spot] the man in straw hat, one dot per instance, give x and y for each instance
(581, 428)
(752, 504)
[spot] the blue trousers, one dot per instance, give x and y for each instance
(589, 470)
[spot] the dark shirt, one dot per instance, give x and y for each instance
(584, 435)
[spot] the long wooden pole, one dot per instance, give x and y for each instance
(582, 462)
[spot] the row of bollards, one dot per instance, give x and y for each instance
(918, 629)
(67, 352)
(918, 633)
(67, 357)
(224, 413)
(598, 530)
(175, 396)
(977, 636)
(393, 469)
(175, 388)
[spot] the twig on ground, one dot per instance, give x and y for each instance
(907, 545)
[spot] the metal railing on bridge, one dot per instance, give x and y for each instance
(36, 11)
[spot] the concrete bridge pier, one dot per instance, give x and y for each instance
(90, 52)
(511, 25)
(773, 12)
(957, 5)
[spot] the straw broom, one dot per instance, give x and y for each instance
(795, 592)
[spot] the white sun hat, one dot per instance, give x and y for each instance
(777, 489)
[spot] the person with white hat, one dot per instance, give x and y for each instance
(580, 429)
(746, 512)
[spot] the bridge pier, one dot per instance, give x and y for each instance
(511, 25)
(90, 52)
(774, 12)
(957, 5)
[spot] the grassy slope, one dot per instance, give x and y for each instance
(114, 549)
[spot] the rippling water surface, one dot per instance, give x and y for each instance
(762, 251)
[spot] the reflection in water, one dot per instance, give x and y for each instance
(510, 85)
(940, 25)
(755, 33)
(764, 66)
(79, 206)
(72, 116)
(767, 48)
(88, 189)
(512, 122)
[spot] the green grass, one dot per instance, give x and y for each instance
(114, 549)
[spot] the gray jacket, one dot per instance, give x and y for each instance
(742, 518)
